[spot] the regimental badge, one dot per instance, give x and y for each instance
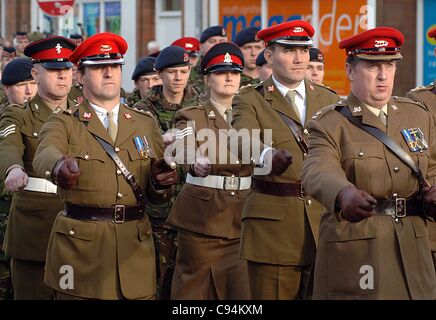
(143, 147)
(227, 58)
(127, 115)
(298, 29)
(211, 115)
(394, 107)
(80, 99)
(270, 88)
(87, 115)
(311, 87)
(357, 109)
(58, 48)
(105, 48)
(415, 139)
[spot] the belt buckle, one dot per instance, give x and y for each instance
(302, 193)
(400, 207)
(231, 183)
(120, 213)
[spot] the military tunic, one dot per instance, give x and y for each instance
(427, 96)
(278, 230)
(394, 253)
(110, 260)
(32, 213)
(208, 265)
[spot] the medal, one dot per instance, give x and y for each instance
(415, 139)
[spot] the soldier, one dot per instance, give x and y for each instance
(191, 46)
(145, 77)
(427, 96)
(207, 212)
(103, 157)
(8, 55)
(21, 40)
(251, 47)
(163, 101)
(369, 158)
(264, 69)
(209, 37)
(315, 69)
(35, 202)
(18, 82)
(280, 223)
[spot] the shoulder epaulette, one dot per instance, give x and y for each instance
(423, 88)
(323, 111)
(322, 86)
(248, 87)
(407, 100)
(142, 112)
(199, 107)
(69, 111)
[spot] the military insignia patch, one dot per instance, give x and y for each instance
(311, 87)
(394, 107)
(7, 131)
(211, 115)
(143, 147)
(270, 88)
(415, 139)
(357, 109)
(87, 115)
(127, 115)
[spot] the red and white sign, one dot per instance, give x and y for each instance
(56, 7)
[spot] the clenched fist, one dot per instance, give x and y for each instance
(278, 160)
(16, 180)
(201, 167)
(355, 204)
(66, 172)
(163, 174)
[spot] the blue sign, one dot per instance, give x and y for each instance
(429, 59)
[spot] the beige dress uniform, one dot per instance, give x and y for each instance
(427, 96)
(208, 219)
(33, 209)
(381, 257)
(278, 232)
(110, 260)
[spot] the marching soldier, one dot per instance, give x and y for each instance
(207, 212)
(370, 164)
(279, 223)
(250, 47)
(35, 202)
(145, 77)
(107, 162)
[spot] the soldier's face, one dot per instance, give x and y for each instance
(372, 81)
(250, 51)
(21, 91)
(224, 84)
(53, 83)
(145, 82)
(315, 72)
(265, 72)
(209, 43)
(175, 79)
(289, 64)
(101, 82)
(21, 43)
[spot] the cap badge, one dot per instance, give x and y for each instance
(189, 45)
(58, 48)
(211, 115)
(357, 109)
(270, 88)
(87, 115)
(227, 58)
(380, 43)
(128, 115)
(298, 29)
(223, 32)
(185, 57)
(105, 48)
(320, 57)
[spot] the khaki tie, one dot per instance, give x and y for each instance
(383, 118)
(111, 127)
(290, 97)
(229, 117)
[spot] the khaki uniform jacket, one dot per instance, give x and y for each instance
(32, 213)
(341, 154)
(203, 210)
(278, 230)
(106, 257)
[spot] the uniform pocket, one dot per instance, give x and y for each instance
(91, 163)
(197, 192)
(75, 229)
(352, 258)
(263, 206)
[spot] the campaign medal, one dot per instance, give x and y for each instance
(415, 139)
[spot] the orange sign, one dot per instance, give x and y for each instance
(237, 15)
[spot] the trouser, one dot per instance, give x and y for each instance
(278, 282)
(28, 280)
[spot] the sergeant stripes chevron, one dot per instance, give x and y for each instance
(7, 131)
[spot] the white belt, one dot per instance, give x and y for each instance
(41, 185)
(221, 182)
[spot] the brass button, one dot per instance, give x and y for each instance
(396, 169)
(86, 156)
(47, 173)
(309, 202)
(306, 132)
(119, 195)
(36, 107)
(232, 193)
(117, 149)
(118, 171)
(35, 134)
(360, 154)
(71, 232)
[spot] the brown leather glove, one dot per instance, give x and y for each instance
(430, 201)
(162, 175)
(66, 172)
(354, 204)
(281, 160)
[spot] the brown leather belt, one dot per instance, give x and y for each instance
(278, 188)
(400, 207)
(117, 214)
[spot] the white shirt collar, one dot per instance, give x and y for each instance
(102, 113)
(301, 89)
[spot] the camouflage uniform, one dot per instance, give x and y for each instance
(196, 79)
(246, 80)
(165, 236)
(4, 101)
(134, 97)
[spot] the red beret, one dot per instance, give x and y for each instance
(190, 44)
(382, 43)
(291, 33)
(432, 33)
(101, 48)
(52, 52)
